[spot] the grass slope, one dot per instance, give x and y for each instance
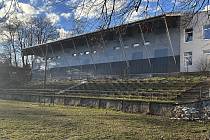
(30, 121)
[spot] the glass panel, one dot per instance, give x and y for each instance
(136, 45)
(188, 58)
(206, 31)
(161, 53)
(188, 35)
(87, 52)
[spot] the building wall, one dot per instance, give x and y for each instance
(197, 45)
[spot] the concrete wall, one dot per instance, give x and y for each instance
(197, 45)
(153, 108)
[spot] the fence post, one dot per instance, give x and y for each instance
(122, 103)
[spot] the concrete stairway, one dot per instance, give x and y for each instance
(197, 92)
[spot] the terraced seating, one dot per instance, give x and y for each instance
(159, 88)
(197, 92)
(50, 85)
(30, 91)
(171, 88)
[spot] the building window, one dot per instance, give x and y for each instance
(87, 52)
(136, 45)
(146, 43)
(188, 35)
(187, 58)
(206, 31)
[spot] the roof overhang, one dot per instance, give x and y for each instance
(40, 49)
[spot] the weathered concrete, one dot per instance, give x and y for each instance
(130, 106)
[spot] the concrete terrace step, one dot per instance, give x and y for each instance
(29, 91)
(90, 93)
(44, 90)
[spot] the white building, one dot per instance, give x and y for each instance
(195, 44)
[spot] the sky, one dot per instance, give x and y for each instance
(63, 14)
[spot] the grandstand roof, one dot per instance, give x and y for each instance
(40, 48)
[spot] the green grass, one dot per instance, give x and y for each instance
(30, 121)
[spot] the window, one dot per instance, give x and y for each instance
(87, 52)
(188, 35)
(146, 43)
(161, 53)
(136, 45)
(206, 31)
(187, 58)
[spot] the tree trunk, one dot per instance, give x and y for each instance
(15, 55)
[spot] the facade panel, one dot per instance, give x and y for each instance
(136, 67)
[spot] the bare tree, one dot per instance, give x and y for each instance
(109, 11)
(44, 30)
(203, 65)
(9, 8)
(11, 30)
(78, 26)
(18, 35)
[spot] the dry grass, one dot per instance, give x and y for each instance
(30, 121)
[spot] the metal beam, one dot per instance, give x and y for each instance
(45, 67)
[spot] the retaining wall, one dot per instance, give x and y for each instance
(131, 106)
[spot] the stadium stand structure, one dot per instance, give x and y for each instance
(180, 88)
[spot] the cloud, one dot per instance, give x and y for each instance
(66, 15)
(133, 17)
(27, 9)
(92, 8)
(21, 11)
(63, 33)
(53, 17)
